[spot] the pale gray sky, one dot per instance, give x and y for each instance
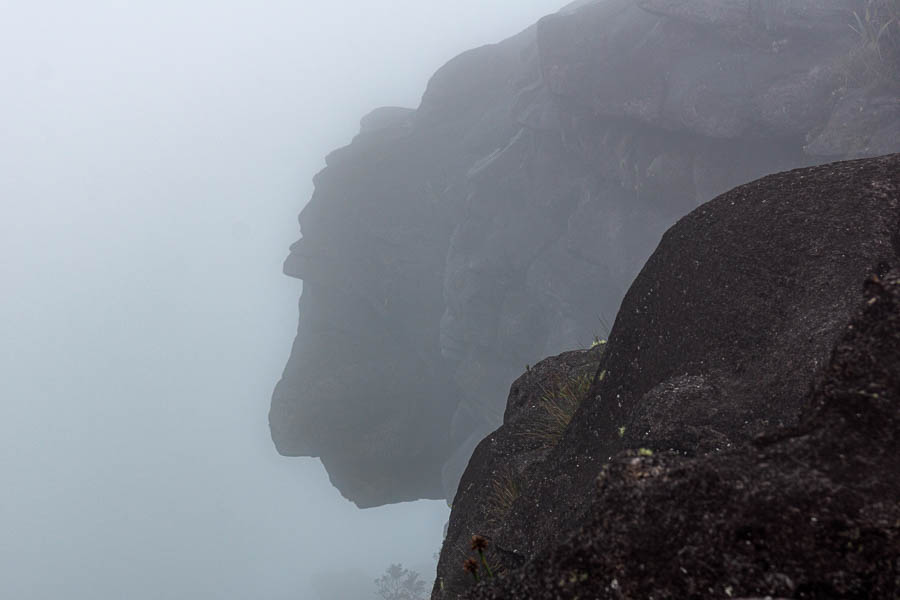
(154, 155)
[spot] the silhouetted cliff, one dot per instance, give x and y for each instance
(502, 221)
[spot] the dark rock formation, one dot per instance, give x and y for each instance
(716, 343)
(366, 387)
(502, 220)
(811, 512)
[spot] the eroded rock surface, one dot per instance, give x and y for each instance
(503, 219)
(716, 343)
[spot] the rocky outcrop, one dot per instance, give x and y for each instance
(716, 344)
(503, 220)
(809, 512)
(366, 387)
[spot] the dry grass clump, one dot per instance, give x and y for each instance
(558, 406)
(505, 489)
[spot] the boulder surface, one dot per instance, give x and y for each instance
(807, 512)
(713, 353)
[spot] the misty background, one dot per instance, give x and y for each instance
(153, 158)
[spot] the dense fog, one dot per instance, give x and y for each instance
(154, 156)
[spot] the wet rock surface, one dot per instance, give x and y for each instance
(807, 512)
(505, 461)
(716, 344)
(503, 220)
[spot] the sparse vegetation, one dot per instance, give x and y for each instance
(558, 406)
(470, 565)
(877, 57)
(398, 583)
(504, 491)
(480, 544)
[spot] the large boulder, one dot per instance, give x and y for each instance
(503, 219)
(716, 343)
(807, 512)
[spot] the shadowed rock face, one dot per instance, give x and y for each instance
(366, 387)
(809, 512)
(503, 220)
(716, 343)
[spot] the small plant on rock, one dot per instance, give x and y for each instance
(470, 565)
(558, 406)
(877, 56)
(505, 490)
(479, 544)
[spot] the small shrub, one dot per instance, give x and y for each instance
(398, 583)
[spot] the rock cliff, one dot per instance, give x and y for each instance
(809, 512)
(503, 219)
(725, 446)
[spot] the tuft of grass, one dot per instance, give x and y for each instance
(877, 56)
(558, 406)
(505, 489)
